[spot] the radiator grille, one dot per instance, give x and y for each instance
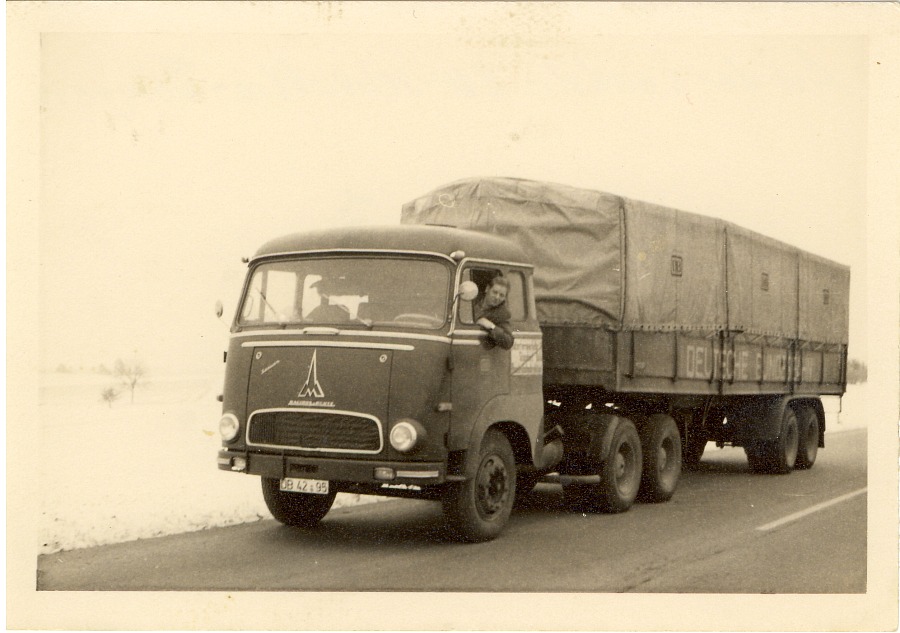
(315, 430)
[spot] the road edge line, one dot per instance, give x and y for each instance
(819, 506)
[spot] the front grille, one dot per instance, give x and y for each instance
(315, 430)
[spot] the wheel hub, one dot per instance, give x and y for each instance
(492, 485)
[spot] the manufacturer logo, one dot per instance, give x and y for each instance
(311, 394)
(311, 388)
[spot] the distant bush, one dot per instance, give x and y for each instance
(857, 372)
(110, 395)
(131, 375)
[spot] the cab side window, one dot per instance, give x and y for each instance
(482, 277)
(516, 299)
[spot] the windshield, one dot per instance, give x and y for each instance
(333, 291)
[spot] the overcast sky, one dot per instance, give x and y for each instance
(167, 156)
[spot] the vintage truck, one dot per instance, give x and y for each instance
(641, 334)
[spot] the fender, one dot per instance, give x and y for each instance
(587, 438)
(602, 435)
(759, 418)
(519, 410)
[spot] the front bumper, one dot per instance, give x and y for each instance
(336, 470)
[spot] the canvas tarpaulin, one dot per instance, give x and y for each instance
(824, 300)
(601, 259)
(571, 235)
(674, 269)
(762, 284)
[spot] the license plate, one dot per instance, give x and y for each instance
(309, 486)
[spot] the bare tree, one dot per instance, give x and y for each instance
(130, 374)
(110, 395)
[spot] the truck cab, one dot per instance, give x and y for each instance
(355, 364)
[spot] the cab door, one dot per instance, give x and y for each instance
(484, 383)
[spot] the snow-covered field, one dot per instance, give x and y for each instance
(149, 468)
(146, 469)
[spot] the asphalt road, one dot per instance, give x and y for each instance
(725, 531)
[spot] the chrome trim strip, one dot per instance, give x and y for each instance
(354, 414)
(348, 344)
(358, 251)
(418, 337)
(482, 333)
(364, 333)
(494, 262)
(418, 474)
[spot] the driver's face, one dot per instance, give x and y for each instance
(495, 296)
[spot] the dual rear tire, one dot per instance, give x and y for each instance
(796, 446)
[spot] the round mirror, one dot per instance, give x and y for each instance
(468, 291)
(220, 309)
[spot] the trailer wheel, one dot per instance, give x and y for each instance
(808, 423)
(479, 508)
(777, 457)
(298, 509)
(661, 448)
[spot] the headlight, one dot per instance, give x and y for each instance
(406, 434)
(229, 427)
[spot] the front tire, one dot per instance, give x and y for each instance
(479, 508)
(297, 509)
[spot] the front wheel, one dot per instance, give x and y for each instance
(297, 509)
(479, 508)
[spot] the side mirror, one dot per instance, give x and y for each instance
(468, 291)
(220, 309)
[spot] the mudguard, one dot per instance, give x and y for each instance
(517, 414)
(759, 418)
(587, 439)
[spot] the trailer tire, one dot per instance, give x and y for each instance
(808, 448)
(661, 449)
(297, 509)
(777, 457)
(478, 508)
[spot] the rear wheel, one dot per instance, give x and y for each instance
(620, 475)
(780, 455)
(661, 448)
(808, 423)
(479, 508)
(298, 509)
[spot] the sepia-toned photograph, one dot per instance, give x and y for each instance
(452, 316)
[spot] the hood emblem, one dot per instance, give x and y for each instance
(312, 388)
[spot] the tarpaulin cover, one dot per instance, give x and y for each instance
(603, 259)
(762, 284)
(674, 273)
(824, 299)
(573, 236)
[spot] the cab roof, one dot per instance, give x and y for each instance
(429, 239)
